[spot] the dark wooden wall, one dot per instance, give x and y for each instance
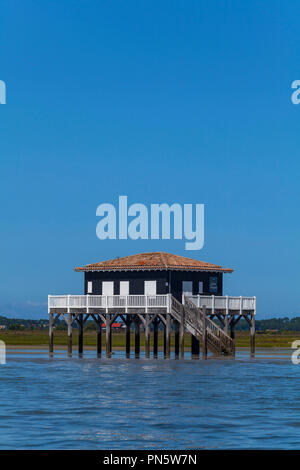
(137, 278)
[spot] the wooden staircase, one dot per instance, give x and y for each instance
(201, 326)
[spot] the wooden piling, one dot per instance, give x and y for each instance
(51, 333)
(69, 334)
(195, 346)
(167, 335)
(108, 335)
(181, 336)
(80, 334)
(128, 323)
(204, 334)
(252, 335)
(232, 333)
(177, 339)
(97, 320)
(165, 341)
(147, 336)
(99, 339)
(155, 337)
(137, 338)
(226, 324)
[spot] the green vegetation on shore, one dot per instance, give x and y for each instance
(41, 338)
(271, 324)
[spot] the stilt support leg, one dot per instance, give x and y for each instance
(204, 335)
(69, 334)
(51, 334)
(226, 324)
(195, 347)
(167, 335)
(232, 334)
(147, 337)
(128, 323)
(80, 335)
(108, 336)
(252, 333)
(137, 338)
(177, 339)
(99, 339)
(181, 336)
(155, 338)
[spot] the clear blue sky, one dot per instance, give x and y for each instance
(163, 101)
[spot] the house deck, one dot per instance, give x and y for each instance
(195, 314)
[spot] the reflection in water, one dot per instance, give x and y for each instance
(89, 403)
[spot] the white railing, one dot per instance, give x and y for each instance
(108, 301)
(225, 303)
(211, 302)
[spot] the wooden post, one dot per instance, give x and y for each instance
(177, 339)
(155, 337)
(181, 335)
(137, 338)
(226, 325)
(167, 335)
(252, 333)
(147, 336)
(51, 334)
(195, 347)
(108, 335)
(80, 334)
(204, 334)
(99, 338)
(232, 335)
(97, 319)
(70, 334)
(128, 322)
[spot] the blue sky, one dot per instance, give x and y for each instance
(184, 102)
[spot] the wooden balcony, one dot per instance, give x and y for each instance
(130, 303)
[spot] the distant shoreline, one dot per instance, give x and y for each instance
(45, 347)
(37, 339)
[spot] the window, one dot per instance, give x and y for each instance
(187, 287)
(89, 287)
(213, 284)
(124, 287)
(200, 288)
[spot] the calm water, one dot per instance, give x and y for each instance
(86, 403)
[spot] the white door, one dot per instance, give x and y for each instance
(89, 287)
(187, 287)
(150, 288)
(124, 287)
(107, 287)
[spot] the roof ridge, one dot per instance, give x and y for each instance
(163, 260)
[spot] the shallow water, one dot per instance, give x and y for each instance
(118, 403)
